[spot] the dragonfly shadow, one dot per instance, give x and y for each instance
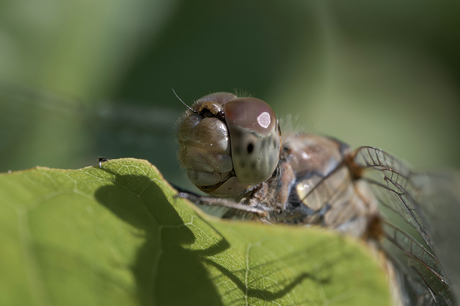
(166, 271)
(262, 294)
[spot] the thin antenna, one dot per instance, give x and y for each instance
(183, 102)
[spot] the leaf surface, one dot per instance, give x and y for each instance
(118, 236)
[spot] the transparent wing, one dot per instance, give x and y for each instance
(421, 268)
(399, 192)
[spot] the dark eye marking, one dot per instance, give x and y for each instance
(205, 113)
(250, 148)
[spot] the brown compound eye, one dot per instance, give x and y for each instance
(254, 138)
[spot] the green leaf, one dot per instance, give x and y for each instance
(118, 236)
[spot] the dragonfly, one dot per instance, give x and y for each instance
(234, 150)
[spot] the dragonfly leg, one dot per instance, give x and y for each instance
(209, 201)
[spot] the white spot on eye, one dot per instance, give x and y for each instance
(264, 120)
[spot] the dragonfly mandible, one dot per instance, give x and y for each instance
(234, 150)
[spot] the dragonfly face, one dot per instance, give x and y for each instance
(229, 144)
(313, 180)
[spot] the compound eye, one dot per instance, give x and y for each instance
(219, 97)
(254, 139)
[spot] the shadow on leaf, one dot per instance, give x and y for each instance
(166, 271)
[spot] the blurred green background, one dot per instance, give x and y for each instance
(82, 78)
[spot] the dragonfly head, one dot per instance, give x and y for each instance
(228, 143)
